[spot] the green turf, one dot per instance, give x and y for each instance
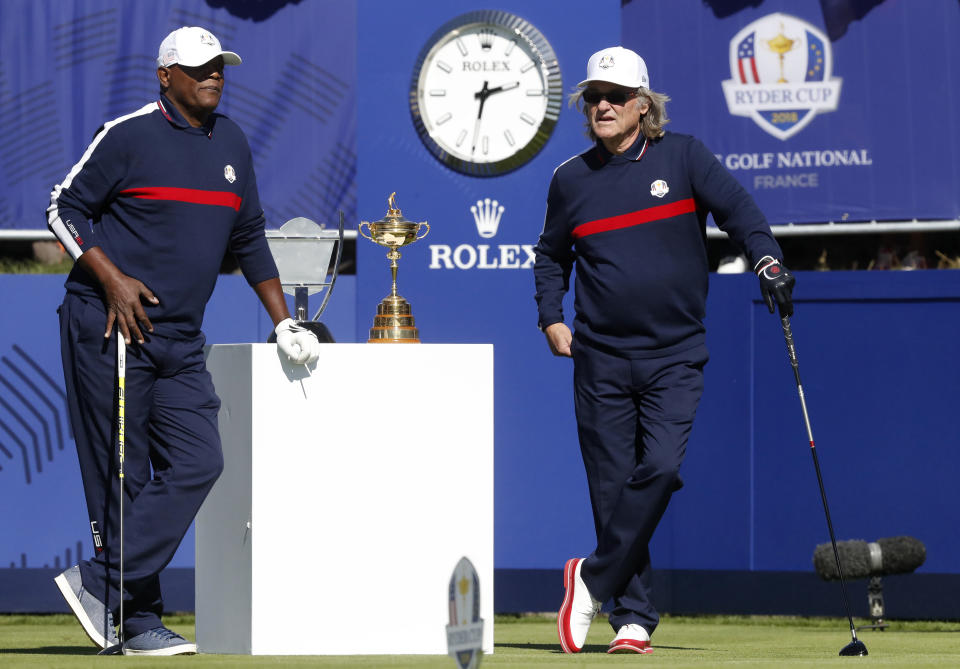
(11, 265)
(58, 641)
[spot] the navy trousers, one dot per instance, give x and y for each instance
(172, 454)
(633, 418)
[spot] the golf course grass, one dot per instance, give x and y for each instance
(531, 641)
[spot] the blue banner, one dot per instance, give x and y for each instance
(829, 110)
(67, 67)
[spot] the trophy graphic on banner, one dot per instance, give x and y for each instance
(394, 320)
(781, 45)
(303, 251)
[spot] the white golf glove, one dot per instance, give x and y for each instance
(300, 344)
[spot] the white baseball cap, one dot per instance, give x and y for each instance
(192, 47)
(616, 65)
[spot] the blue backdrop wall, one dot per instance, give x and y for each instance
(874, 347)
(880, 379)
(45, 523)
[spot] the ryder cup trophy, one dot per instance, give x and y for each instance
(394, 320)
(303, 250)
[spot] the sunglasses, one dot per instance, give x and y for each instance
(615, 97)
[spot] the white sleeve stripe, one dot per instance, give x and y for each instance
(54, 222)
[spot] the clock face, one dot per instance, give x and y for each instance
(486, 93)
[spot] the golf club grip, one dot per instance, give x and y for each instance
(791, 347)
(794, 363)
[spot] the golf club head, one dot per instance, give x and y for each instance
(112, 650)
(855, 647)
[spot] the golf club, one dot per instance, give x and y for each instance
(855, 647)
(121, 382)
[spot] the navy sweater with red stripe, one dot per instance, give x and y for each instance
(164, 201)
(635, 225)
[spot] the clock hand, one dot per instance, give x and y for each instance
(485, 92)
(505, 87)
(482, 96)
(476, 133)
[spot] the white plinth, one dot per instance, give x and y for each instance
(347, 499)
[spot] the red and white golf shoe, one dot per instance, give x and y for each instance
(631, 639)
(578, 609)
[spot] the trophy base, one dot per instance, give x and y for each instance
(393, 336)
(393, 323)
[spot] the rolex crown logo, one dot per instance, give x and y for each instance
(486, 38)
(486, 214)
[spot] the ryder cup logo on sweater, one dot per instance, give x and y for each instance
(229, 173)
(659, 188)
(780, 68)
(465, 631)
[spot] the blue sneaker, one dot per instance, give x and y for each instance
(96, 619)
(159, 641)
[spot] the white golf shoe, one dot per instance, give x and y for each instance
(578, 609)
(631, 638)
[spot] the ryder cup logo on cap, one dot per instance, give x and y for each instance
(465, 631)
(617, 65)
(192, 47)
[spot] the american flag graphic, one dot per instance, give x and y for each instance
(746, 61)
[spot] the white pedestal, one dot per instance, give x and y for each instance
(347, 498)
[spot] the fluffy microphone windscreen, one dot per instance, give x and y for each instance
(854, 557)
(901, 555)
(859, 559)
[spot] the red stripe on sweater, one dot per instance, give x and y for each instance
(635, 218)
(214, 197)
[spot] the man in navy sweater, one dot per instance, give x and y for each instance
(631, 213)
(147, 214)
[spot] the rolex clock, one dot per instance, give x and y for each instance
(486, 93)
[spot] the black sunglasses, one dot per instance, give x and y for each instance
(615, 97)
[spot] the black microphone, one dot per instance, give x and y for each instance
(859, 559)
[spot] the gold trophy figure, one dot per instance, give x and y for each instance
(781, 45)
(394, 320)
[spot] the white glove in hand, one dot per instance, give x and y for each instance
(300, 344)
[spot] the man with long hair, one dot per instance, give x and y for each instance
(630, 213)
